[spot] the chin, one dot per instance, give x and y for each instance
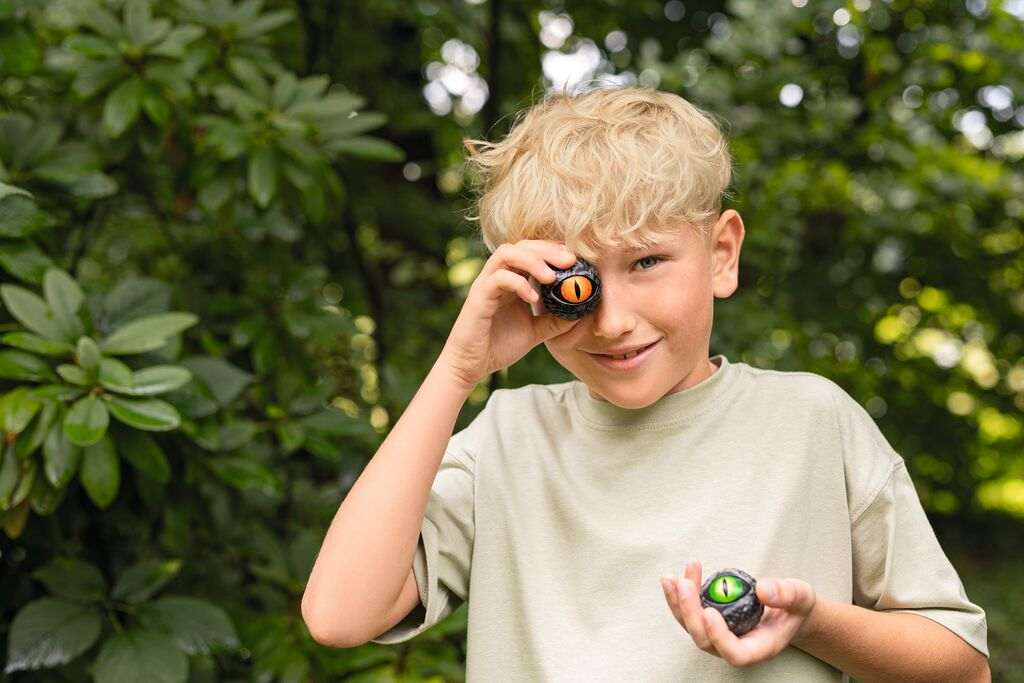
(631, 401)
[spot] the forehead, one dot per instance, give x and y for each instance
(652, 243)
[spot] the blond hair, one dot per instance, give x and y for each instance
(609, 168)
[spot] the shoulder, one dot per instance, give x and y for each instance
(791, 389)
(507, 410)
(841, 423)
(530, 398)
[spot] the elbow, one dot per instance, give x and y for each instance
(982, 672)
(323, 630)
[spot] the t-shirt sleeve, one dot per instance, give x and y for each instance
(442, 560)
(898, 564)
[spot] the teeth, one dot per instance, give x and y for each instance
(628, 355)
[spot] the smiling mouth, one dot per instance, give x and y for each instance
(626, 355)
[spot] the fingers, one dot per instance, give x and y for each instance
(688, 607)
(530, 257)
(546, 327)
(502, 281)
(724, 641)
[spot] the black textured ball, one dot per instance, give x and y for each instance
(732, 592)
(575, 291)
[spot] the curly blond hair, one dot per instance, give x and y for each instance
(608, 168)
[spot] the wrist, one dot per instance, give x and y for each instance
(444, 372)
(811, 625)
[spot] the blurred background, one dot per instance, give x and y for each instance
(233, 242)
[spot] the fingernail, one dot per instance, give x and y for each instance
(771, 590)
(685, 588)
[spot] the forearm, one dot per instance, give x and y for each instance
(368, 551)
(872, 645)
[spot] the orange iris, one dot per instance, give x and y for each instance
(576, 289)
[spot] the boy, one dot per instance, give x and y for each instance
(560, 506)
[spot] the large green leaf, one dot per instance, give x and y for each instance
(31, 311)
(64, 297)
(146, 334)
(338, 105)
(176, 41)
(47, 633)
(115, 375)
(33, 437)
(73, 579)
(134, 298)
(196, 626)
(365, 147)
(20, 217)
(138, 21)
(265, 23)
(263, 176)
(86, 422)
(150, 414)
(74, 375)
(139, 656)
(243, 473)
(25, 366)
(227, 437)
(224, 380)
(10, 474)
(24, 260)
(61, 458)
(8, 190)
(101, 472)
(88, 356)
(17, 408)
(58, 392)
(45, 498)
(36, 344)
(144, 454)
(142, 581)
(122, 107)
(26, 479)
(95, 76)
(154, 380)
(351, 125)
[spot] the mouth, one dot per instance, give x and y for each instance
(629, 360)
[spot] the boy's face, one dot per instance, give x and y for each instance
(663, 294)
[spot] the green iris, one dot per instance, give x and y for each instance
(726, 589)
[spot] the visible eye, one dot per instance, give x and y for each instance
(657, 259)
(575, 289)
(726, 589)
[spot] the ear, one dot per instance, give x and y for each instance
(726, 241)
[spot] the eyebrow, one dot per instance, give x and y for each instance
(649, 247)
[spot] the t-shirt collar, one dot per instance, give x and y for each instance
(668, 410)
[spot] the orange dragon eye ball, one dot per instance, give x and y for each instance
(575, 291)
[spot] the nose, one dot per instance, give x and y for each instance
(613, 317)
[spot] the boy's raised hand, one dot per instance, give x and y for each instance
(787, 604)
(496, 327)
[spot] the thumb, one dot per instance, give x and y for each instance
(792, 595)
(548, 326)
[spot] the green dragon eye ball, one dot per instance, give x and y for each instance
(575, 291)
(731, 592)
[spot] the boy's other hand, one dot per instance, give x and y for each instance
(496, 326)
(787, 604)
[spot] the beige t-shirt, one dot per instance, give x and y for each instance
(554, 514)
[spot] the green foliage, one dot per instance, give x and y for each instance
(219, 287)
